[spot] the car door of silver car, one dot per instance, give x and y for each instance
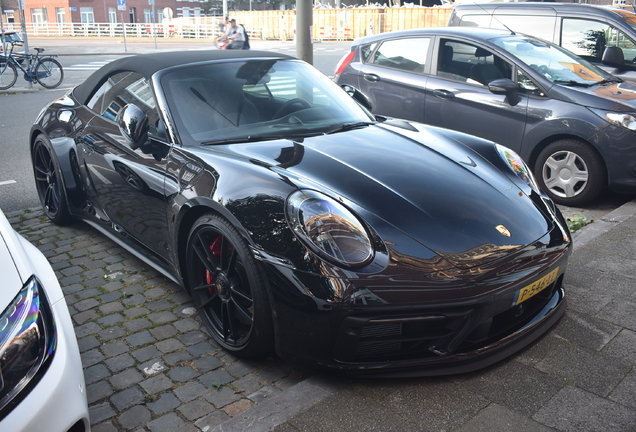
(458, 97)
(394, 79)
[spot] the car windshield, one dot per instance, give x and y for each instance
(255, 100)
(10, 37)
(553, 62)
(627, 16)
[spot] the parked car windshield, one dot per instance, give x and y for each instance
(553, 62)
(627, 16)
(256, 100)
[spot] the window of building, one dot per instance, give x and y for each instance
(60, 15)
(37, 17)
(86, 15)
(112, 15)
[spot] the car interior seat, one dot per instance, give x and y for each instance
(446, 60)
(484, 72)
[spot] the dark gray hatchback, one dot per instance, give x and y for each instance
(574, 123)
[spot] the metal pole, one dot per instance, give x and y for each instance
(4, 45)
(304, 28)
(152, 23)
(26, 39)
(123, 29)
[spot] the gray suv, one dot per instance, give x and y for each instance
(574, 123)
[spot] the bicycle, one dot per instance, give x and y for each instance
(46, 70)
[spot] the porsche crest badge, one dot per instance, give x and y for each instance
(503, 230)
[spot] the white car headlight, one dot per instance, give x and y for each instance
(27, 341)
(626, 120)
(329, 229)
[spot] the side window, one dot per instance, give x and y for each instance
(587, 38)
(366, 51)
(527, 86)
(471, 64)
(627, 45)
(121, 89)
(408, 54)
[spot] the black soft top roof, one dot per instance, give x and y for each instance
(148, 64)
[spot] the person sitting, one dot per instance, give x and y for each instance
(236, 36)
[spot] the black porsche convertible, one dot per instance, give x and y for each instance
(300, 222)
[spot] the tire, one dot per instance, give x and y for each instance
(570, 172)
(49, 73)
(8, 75)
(227, 285)
(49, 182)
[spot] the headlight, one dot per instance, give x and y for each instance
(518, 166)
(329, 229)
(27, 340)
(626, 120)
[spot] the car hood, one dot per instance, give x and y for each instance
(619, 97)
(436, 190)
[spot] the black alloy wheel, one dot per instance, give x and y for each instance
(228, 288)
(49, 183)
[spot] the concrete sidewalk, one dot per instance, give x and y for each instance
(150, 365)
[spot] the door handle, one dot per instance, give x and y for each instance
(371, 77)
(444, 94)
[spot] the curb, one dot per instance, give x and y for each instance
(589, 232)
(267, 415)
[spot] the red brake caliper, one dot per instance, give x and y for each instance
(215, 248)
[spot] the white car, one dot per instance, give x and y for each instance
(41, 377)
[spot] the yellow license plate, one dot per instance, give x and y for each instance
(536, 287)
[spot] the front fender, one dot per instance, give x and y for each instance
(63, 147)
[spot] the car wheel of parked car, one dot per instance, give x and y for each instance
(49, 182)
(228, 288)
(570, 172)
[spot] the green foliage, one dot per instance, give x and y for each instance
(578, 221)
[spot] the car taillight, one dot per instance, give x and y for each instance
(342, 64)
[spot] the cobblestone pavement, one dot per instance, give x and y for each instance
(150, 365)
(148, 361)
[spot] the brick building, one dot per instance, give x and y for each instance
(47, 12)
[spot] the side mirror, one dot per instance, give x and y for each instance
(358, 97)
(613, 56)
(133, 125)
(504, 86)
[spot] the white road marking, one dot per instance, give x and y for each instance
(7, 182)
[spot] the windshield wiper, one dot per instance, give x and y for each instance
(573, 83)
(349, 126)
(611, 80)
(256, 138)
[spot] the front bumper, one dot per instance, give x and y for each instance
(389, 338)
